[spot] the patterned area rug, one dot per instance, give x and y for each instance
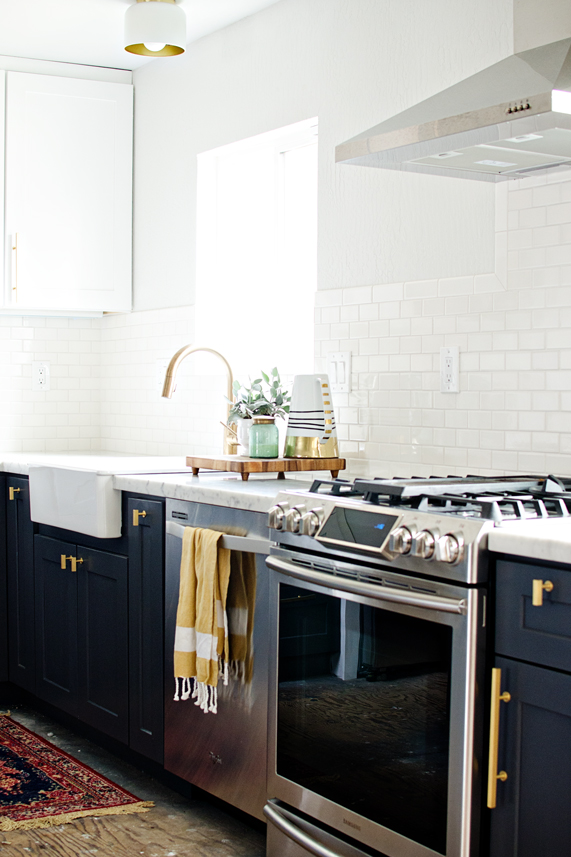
(41, 786)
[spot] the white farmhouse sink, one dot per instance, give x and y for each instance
(83, 501)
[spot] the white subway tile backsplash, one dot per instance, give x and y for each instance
(512, 411)
(513, 328)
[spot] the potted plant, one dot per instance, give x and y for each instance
(263, 397)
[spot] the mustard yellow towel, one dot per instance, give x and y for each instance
(240, 605)
(201, 648)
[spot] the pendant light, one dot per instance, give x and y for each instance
(155, 28)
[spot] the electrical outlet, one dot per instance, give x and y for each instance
(450, 369)
(40, 376)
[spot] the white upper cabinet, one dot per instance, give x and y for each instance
(68, 194)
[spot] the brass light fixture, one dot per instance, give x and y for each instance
(155, 28)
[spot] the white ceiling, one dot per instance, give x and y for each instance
(91, 31)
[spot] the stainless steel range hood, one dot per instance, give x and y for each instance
(508, 121)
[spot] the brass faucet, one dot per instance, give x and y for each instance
(169, 385)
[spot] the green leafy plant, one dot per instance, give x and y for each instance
(263, 397)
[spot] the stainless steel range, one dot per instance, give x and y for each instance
(379, 593)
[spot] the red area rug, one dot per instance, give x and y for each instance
(41, 786)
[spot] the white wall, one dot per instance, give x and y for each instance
(513, 329)
(396, 278)
(352, 63)
(67, 417)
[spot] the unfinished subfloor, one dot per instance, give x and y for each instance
(175, 827)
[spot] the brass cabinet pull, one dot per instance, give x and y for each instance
(537, 593)
(493, 775)
(137, 515)
(73, 561)
(12, 491)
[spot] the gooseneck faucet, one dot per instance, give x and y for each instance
(169, 384)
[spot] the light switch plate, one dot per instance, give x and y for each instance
(339, 371)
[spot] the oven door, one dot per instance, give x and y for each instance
(375, 718)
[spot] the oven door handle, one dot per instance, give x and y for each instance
(307, 842)
(381, 592)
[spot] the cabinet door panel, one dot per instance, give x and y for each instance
(20, 571)
(536, 634)
(146, 560)
(56, 615)
(102, 642)
(3, 587)
(532, 815)
(68, 193)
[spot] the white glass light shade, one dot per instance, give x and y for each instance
(158, 21)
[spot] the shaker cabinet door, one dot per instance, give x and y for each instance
(3, 589)
(102, 642)
(20, 576)
(146, 562)
(68, 194)
(56, 623)
(532, 816)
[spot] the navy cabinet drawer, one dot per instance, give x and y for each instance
(542, 634)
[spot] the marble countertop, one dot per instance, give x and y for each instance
(257, 494)
(538, 539)
(102, 462)
(165, 476)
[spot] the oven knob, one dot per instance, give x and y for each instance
(293, 519)
(423, 544)
(450, 548)
(276, 516)
(400, 541)
(311, 521)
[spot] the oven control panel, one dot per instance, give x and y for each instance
(369, 528)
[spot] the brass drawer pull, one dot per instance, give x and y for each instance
(73, 560)
(12, 491)
(537, 594)
(493, 774)
(137, 515)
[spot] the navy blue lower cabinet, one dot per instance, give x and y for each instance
(532, 817)
(3, 585)
(20, 581)
(145, 531)
(540, 633)
(81, 609)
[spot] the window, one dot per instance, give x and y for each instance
(257, 250)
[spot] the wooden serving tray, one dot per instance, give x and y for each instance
(281, 466)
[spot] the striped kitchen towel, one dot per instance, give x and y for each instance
(240, 609)
(201, 647)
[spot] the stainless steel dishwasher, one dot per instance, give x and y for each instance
(223, 753)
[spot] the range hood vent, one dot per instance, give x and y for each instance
(508, 121)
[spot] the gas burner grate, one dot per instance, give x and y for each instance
(337, 487)
(491, 507)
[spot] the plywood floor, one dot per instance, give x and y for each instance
(175, 827)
